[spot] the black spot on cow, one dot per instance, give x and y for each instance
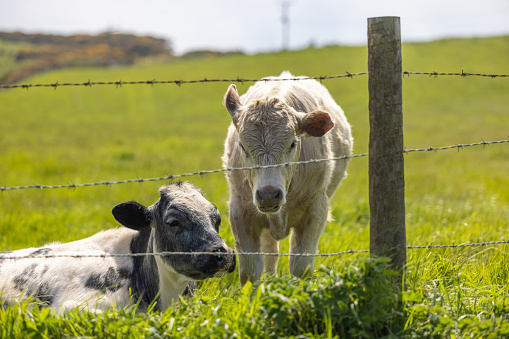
(21, 280)
(40, 251)
(124, 273)
(43, 294)
(110, 281)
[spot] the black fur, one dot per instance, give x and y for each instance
(111, 281)
(43, 293)
(40, 251)
(21, 280)
(144, 281)
(132, 215)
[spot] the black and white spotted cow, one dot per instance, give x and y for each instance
(182, 220)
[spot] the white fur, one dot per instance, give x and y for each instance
(306, 188)
(65, 277)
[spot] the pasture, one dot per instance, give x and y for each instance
(105, 133)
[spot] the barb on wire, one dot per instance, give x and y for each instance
(15, 257)
(204, 172)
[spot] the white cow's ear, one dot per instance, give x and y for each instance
(132, 215)
(316, 123)
(231, 102)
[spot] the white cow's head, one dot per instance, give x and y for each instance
(270, 133)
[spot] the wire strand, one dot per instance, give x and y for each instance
(120, 83)
(205, 172)
(162, 254)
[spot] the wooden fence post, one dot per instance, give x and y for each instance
(386, 163)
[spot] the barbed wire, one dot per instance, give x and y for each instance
(459, 245)
(462, 74)
(119, 83)
(459, 146)
(179, 176)
(153, 82)
(163, 254)
(230, 169)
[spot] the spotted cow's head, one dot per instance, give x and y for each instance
(270, 133)
(182, 221)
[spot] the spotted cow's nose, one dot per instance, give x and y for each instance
(269, 198)
(221, 258)
(225, 260)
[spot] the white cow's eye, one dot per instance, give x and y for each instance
(243, 150)
(292, 146)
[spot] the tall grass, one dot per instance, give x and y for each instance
(82, 134)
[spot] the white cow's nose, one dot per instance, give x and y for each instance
(269, 199)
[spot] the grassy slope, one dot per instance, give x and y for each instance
(93, 134)
(8, 52)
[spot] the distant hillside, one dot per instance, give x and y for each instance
(23, 55)
(40, 52)
(130, 44)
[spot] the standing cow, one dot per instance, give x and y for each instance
(278, 122)
(98, 272)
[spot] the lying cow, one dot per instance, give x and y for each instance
(182, 220)
(278, 122)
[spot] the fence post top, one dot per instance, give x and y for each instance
(384, 18)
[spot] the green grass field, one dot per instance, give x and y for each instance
(104, 133)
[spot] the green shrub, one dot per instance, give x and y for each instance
(361, 300)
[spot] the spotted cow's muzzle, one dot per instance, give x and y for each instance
(210, 265)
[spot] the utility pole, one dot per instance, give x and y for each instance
(285, 20)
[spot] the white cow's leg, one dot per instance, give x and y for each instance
(306, 235)
(250, 266)
(269, 245)
(246, 229)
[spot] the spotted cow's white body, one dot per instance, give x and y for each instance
(65, 281)
(98, 272)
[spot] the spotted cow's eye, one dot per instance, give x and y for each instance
(174, 223)
(217, 221)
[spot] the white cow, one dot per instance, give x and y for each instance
(181, 220)
(277, 122)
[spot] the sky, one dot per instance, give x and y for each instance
(254, 26)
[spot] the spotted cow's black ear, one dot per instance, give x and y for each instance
(132, 215)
